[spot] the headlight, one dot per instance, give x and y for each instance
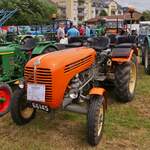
(21, 84)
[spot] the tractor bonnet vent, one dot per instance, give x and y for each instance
(77, 64)
(43, 76)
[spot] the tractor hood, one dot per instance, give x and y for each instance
(60, 59)
(56, 69)
(8, 49)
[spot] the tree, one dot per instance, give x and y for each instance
(29, 11)
(103, 13)
(146, 15)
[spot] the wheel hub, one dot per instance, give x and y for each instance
(132, 81)
(146, 58)
(4, 100)
(27, 112)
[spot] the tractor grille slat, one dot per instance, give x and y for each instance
(77, 64)
(43, 76)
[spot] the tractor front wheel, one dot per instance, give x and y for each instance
(21, 113)
(147, 58)
(125, 80)
(5, 98)
(95, 120)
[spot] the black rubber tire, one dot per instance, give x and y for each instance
(92, 120)
(147, 58)
(15, 109)
(6, 86)
(122, 80)
(49, 50)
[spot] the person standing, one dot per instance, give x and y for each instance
(61, 31)
(73, 32)
(87, 31)
(81, 30)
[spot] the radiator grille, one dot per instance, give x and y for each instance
(77, 64)
(43, 76)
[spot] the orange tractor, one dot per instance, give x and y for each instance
(73, 79)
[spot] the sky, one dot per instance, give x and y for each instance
(141, 5)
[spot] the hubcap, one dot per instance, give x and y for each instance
(132, 81)
(100, 120)
(4, 100)
(146, 57)
(27, 112)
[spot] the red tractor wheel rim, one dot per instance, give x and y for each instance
(4, 94)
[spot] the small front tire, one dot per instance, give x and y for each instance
(95, 120)
(21, 113)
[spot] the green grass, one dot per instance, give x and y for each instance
(127, 126)
(125, 118)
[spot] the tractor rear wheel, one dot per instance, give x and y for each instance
(95, 120)
(49, 49)
(5, 98)
(125, 80)
(147, 58)
(21, 113)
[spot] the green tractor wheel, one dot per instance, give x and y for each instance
(5, 98)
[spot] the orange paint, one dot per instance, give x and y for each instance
(121, 60)
(60, 67)
(97, 91)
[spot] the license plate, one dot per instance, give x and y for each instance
(36, 92)
(40, 107)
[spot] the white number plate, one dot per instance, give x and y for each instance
(40, 107)
(36, 92)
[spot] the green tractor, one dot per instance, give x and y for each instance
(144, 40)
(147, 54)
(101, 29)
(13, 57)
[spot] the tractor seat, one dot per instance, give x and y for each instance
(60, 46)
(126, 39)
(126, 45)
(99, 43)
(28, 44)
(66, 46)
(75, 44)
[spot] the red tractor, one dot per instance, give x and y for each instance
(73, 79)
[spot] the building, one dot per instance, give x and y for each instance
(126, 17)
(76, 10)
(112, 8)
(81, 10)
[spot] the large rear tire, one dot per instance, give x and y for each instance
(147, 58)
(5, 98)
(95, 120)
(125, 80)
(21, 113)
